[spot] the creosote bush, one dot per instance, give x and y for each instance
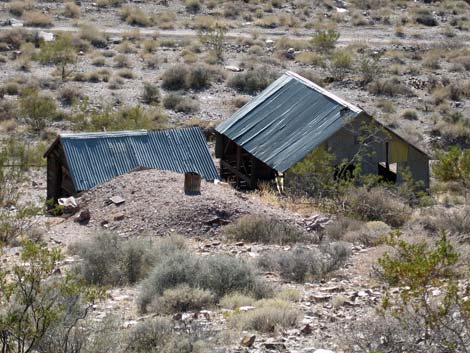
(181, 299)
(264, 230)
(180, 103)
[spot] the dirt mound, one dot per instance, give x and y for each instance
(155, 203)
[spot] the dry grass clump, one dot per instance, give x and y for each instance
(17, 8)
(126, 73)
(389, 87)
(269, 315)
(236, 300)
(165, 19)
(121, 61)
(310, 58)
(93, 35)
(71, 10)
(261, 229)
(376, 204)
(70, 95)
(36, 18)
(135, 16)
(181, 77)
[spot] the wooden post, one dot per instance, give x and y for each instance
(192, 184)
(239, 152)
(387, 162)
(254, 170)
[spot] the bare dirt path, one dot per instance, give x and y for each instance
(374, 38)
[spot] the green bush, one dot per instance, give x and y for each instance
(340, 63)
(453, 166)
(108, 260)
(252, 81)
(264, 230)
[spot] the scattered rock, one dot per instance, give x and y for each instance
(247, 341)
(233, 68)
(83, 217)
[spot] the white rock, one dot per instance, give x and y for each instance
(46, 36)
(340, 10)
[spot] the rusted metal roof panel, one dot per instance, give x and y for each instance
(95, 158)
(287, 120)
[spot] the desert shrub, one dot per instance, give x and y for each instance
(60, 52)
(17, 8)
(151, 94)
(261, 229)
(325, 39)
(109, 260)
(409, 114)
(336, 229)
(165, 19)
(310, 58)
(425, 17)
(199, 77)
(70, 95)
(302, 264)
(12, 88)
(14, 38)
(455, 222)
(37, 109)
(376, 204)
(93, 35)
(340, 63)
(71, 10)
(128, 118)
(126, 73)
(135, 16)
(180, 103)
(180, 299)
(193, 6)
(98, 61)
(174, 78)
(268, 316)
(121, 61)
(161, 334)
(252, 81)
(389, 87)
(370, 69)
(220, 274)
(36, 18)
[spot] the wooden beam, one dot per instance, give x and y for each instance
(254, 170)
(237, 173)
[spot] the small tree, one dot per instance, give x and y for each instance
(59, 52)
(33, 300)
(214, 38)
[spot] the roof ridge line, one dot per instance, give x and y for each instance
(324, 92)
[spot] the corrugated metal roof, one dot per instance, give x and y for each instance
(94, 158)
(287, 120)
